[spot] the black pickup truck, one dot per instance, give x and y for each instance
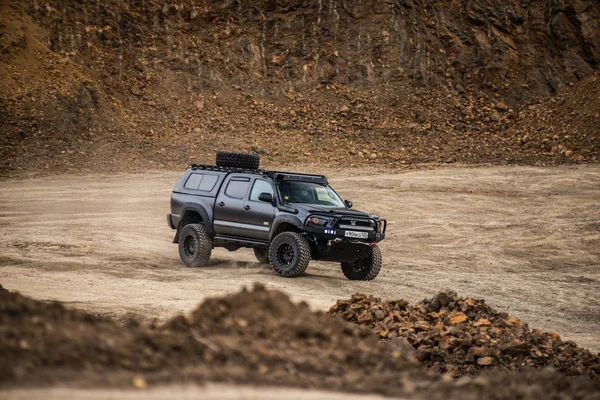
(287, 218)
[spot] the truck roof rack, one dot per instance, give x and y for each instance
(275, 175)
(217, 168)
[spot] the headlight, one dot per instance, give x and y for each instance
(381, 226)
(320, 221)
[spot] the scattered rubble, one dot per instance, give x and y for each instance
(464, 336)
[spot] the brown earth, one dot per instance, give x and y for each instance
(256, 336)
(525, 239)
(114, 86)
(361, 88)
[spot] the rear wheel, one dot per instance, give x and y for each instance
(195, 245)
(365, 269)
(262, 254)
(289, 254)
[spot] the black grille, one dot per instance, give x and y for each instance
(356, 224)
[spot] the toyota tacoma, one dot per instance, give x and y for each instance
(287, 218)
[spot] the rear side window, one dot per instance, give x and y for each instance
(202, 182)
(208, 182)
(237, 189)
(193, 181)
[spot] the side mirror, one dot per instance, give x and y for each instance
(348, 203)
(266, 197)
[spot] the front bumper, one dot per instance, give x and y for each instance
(335, 234)
(333, 244)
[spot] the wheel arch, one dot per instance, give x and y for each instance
(194, 214)
(285, 223)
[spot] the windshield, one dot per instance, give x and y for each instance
(309, 193)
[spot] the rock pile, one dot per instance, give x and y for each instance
(463, 336)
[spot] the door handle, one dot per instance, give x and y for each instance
(221, 204)
(246, 208)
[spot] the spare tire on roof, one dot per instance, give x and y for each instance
(237, 160)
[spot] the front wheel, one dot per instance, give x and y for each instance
(365, 269)
(289, 254)
(195, 245)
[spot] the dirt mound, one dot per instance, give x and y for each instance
(37, 336)
(279, 342)
(465, 336)
(254, 337)
(257, 337)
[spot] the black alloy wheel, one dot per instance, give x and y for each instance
(195, 245)
(365, 269)
(289, 254)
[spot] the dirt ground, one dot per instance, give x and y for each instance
(208, 392)
(526, 239)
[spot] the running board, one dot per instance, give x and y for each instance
(241, 240)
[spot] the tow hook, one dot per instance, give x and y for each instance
(336, 240)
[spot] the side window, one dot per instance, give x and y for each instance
(237, 189)
(202, 182)
(208, 183)
(193, 181)
(259, 187)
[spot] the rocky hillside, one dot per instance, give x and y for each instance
(114, 84)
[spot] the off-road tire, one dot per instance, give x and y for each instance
(365, 269)
(262, 254)
(289, 254)
(195, 245)
(237, 160)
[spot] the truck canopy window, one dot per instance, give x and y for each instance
(193, 181)
(208, 183)
(201, 182)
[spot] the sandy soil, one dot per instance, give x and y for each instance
(525, 239)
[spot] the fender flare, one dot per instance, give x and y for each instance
(285, 219)
(203, 213)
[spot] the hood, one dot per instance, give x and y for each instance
(330, 212)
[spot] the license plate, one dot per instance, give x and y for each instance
(354, 234)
